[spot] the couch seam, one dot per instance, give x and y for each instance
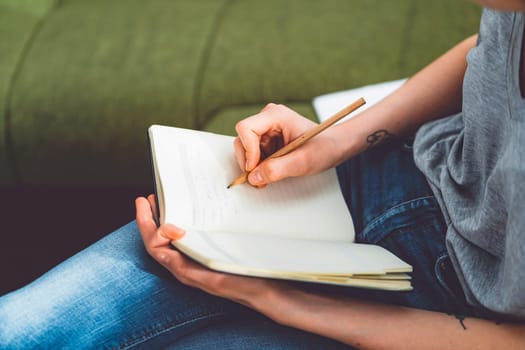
(8, 137)
(204, 61)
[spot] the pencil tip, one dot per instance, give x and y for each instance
(230, 185)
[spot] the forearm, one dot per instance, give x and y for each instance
(434, 92)
(366, 325)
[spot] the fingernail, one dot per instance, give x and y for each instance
(171, 232)
(256, 177)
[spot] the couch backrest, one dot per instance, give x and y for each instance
(19, 20)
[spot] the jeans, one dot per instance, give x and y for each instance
(113, 295)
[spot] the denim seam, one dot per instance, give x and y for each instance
(389, 213)
(438, 273)
(166, 328)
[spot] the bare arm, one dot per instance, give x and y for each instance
(362, 324)
(434, 92)
(367, 325)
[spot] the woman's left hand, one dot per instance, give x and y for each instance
(249, 291)
(351, 321)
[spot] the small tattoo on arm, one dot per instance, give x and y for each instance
(378, 137)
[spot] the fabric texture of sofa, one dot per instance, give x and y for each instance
(81, 80)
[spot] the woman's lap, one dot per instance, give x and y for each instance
(114, 295)
(393, 206)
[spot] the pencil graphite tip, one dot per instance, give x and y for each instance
(240, 180)
(234, 183)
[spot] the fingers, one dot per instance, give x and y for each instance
(248, 142)
(152, 235)
(240, 153)
(153, 205)
(250, 130)
(276, 169)
(236, 288)
(264, 133)
(187, 271)
(171, 232)
(144, 218)
(156, 241)
(270, 143)
(174, 262)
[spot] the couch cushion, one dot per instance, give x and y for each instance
(96, 75)
(18, 21)
(98, 72)
(284, 51)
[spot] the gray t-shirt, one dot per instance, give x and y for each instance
(475, 164)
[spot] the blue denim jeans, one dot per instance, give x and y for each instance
(113, 295)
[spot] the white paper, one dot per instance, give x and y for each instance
(328, 104)
(195, 169)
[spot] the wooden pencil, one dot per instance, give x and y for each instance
(299, 141)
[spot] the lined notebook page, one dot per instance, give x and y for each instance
(195, 168)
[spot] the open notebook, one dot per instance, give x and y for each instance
(297, 229)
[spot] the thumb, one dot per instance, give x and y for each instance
(276, 169)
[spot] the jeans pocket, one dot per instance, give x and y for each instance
(408, 143)
(442, 273)
(404, 216)
(415, 232)
(448, 280)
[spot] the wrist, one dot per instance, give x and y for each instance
(368, 129)
(348, 141)
(278, 302)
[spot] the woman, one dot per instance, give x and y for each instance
(455, 214)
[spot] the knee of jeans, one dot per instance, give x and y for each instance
(66, 301)
(61, 310)
(23, 325)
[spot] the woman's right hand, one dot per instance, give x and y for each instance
(275, 126)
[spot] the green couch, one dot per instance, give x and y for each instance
(81, 80)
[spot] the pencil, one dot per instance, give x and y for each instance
(299, 141)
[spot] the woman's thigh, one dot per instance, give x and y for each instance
(253, 332)
(393, 206)
(114, 295)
